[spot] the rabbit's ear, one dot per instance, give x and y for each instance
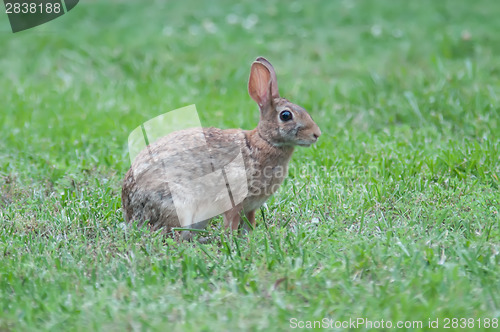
(262, 85)
(274, 81)
(258, 84)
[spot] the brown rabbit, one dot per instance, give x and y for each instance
(185, 178)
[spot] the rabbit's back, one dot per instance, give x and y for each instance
(174, 174)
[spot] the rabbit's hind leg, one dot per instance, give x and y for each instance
(188, 235)
(186, 220)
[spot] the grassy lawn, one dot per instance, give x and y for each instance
(393, 215)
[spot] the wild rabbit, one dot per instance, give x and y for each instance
(185, 178)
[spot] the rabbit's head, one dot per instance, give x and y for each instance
(282, 123)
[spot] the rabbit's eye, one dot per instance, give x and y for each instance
(286, 116)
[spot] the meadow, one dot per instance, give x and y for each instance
(394, 214)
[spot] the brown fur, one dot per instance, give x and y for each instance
(266, 152)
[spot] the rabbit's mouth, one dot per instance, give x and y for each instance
(305, 143)
(307, 138)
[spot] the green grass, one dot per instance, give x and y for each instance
(393, 215)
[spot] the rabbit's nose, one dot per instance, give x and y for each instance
(316, 133)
